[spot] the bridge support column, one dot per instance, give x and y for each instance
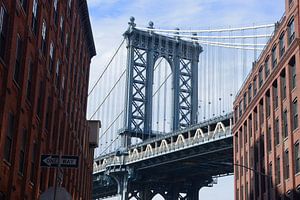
(122, 180)
(193, 193)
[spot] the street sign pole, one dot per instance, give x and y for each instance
(56, 177)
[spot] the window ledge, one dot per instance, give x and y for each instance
(21, 176)
(295, 130)
(16, 84)
(2, 62)
(7, 162)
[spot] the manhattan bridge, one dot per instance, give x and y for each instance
(165, 105)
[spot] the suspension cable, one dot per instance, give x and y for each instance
(207, 31)
(107, 66)
(222, 37)
(108, 94)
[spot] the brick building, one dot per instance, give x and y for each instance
(266, 131)
(45, 51)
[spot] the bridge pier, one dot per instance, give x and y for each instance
(193, 193)
(122, 181)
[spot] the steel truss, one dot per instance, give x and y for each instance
(144, 49)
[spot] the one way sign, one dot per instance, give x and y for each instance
(65, 161)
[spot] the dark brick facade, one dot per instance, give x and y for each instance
(266, 131)
(43, 95)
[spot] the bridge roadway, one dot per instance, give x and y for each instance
(175, 165)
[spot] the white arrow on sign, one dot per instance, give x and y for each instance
(51, 161)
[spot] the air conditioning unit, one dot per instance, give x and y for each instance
(94, 126)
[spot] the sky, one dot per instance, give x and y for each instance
(109, 19)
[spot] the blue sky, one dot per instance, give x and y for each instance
(109, 20)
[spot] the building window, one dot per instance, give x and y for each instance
(246, 191)
(255, 119)
(286, 164)
(249, 93)
(292, 65)
(241, 138)
(254, 86)
(268, 104)
(32, 162)
(250, 126)
(245, 133)
(267, 69)
(283, 84)
(17, 70)
(274, 57)
(23, 151)
(67, 45)
(260, 77)
(62, 29)
(9, 137)
(3, 30)
(57, 74)
(34, 21)
(51, 60)
(69, 7)
(55, 12)
(262, 146)
(240, 110)
(297, 158)
(275, 95)
(44, 30)
(285, 124)
(242, 192)
(277, 134)
(242, 164)
(29, 82)
(291, 31)
(269, 139)
(24, 4)
(270, 175)
(245, 101)
(261, 111)
(277, 169)
(281, 45)
(295, 114)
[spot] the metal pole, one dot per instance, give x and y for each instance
(56, 179)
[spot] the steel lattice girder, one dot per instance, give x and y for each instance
(185, 93)
(144, 48)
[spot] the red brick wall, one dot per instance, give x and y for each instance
(68, 125)
(247, 141)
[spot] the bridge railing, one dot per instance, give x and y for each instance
(164, 146)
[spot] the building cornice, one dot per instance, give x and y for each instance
(87, 29)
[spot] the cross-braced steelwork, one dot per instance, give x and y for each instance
(144, 49)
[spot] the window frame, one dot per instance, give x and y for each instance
(34, 20)
(291, 27)
(281, 44)
(295, 114)
(4, 19)
(10, 132)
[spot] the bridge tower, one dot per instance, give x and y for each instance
(144, 48)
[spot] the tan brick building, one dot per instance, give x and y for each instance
(45, 51)
(266, 131)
